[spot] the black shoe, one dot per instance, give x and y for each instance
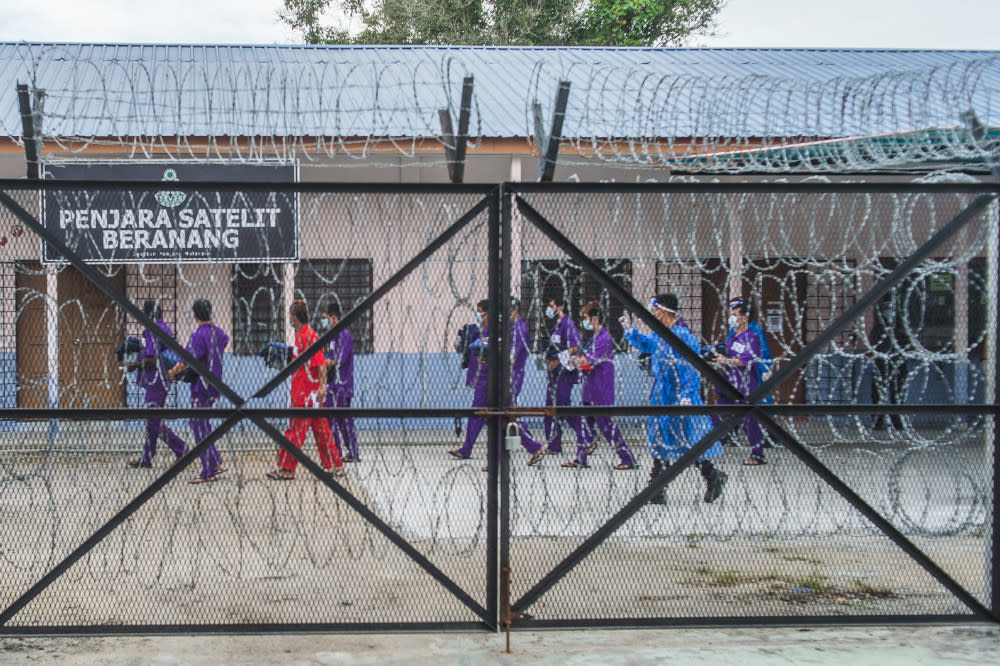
(715, 483)
(659, 498)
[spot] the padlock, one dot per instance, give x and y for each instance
(510, 441)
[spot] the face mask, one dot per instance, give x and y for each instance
(479, 319)
(734, 321)
(550, 313)
(322, 325)
(587, 326)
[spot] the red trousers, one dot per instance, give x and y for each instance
(329, 452)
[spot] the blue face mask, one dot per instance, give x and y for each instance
(479, 318)
(587, 326)
(322, 325)
(550, 313)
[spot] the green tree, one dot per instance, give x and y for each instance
(502, 22)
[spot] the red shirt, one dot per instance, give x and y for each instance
(305, 379)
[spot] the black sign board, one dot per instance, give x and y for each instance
(136, 225)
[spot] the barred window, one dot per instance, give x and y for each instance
(258, 310)
(344, 281)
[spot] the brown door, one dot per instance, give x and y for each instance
(778, 294)
(90, 327)
(32, 347)
(779, 297)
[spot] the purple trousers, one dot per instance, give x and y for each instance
(210, 458)
(560, 393)
(343, 428)
(610, 432)
(156, 397)
(476, 424)
(750, 426)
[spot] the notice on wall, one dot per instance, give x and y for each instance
(774, 318)
(132, 224)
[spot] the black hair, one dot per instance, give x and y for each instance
(560, 301)
(300, 311)
(515, 304)
(745, 308)
(152, 310)
(483, 305)
(668, 301)
(333, 309)
(596, 312)
(202, 309)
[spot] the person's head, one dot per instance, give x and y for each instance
(152, 310)
(556, 307)
(482, 311)
(664, 307)
(740, 313)
(202, 310)
(332, 313)
(515, 309)
(593, 317)
(299, 313)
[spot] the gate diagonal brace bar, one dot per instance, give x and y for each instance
(970, 212)
(278, 437)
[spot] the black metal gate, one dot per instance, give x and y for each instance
(845, 524)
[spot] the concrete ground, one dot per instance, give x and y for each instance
(882, 646)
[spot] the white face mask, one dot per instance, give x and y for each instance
(479, 318)
(734, 321)
(550, 313)
(587, 326)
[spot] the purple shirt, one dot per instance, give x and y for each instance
(518, 357)
(340, 378)
(747, 348)
(155, 377)
(565, 335)
(477, 373)
(207, 344)
(599, 381)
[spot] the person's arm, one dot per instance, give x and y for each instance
(321, 389)
(646, 344)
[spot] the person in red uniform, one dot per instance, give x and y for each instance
(308, 390)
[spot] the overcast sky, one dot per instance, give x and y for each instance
(955, 24)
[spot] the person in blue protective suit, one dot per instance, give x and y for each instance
(675, 382)
(764, 366)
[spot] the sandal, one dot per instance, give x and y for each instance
(754, 461)
(198, 479)
(537, 457)
(454, 453)
(135, 464)
(591, 448)
(575, 464)
(280, 475)
(337, 471)
(220, 469)
(624, 466)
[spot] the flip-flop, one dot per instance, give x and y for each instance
(575, 464)
(198, 479)
(338, 471)
(455, 454)
(220, 469)
(624, 466)
(278, 476)
(591, 448)
(537, 457)
(135, 464)
(751, 462)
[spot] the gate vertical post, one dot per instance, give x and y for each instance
(493, 396)
(506, 253)
(993, 280)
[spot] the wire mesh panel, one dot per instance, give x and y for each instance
(806, 512)
(241, 533)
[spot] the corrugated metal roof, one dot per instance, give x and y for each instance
(396, 91)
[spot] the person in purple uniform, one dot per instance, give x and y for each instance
(206, 344)
(477, 378)
(340, 385)
(597, 363)
(743, 353)
(152, 377)
(564, 342)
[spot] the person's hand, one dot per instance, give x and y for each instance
(553, 364)
(625, 320)
(684, 402)
(766, 375)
